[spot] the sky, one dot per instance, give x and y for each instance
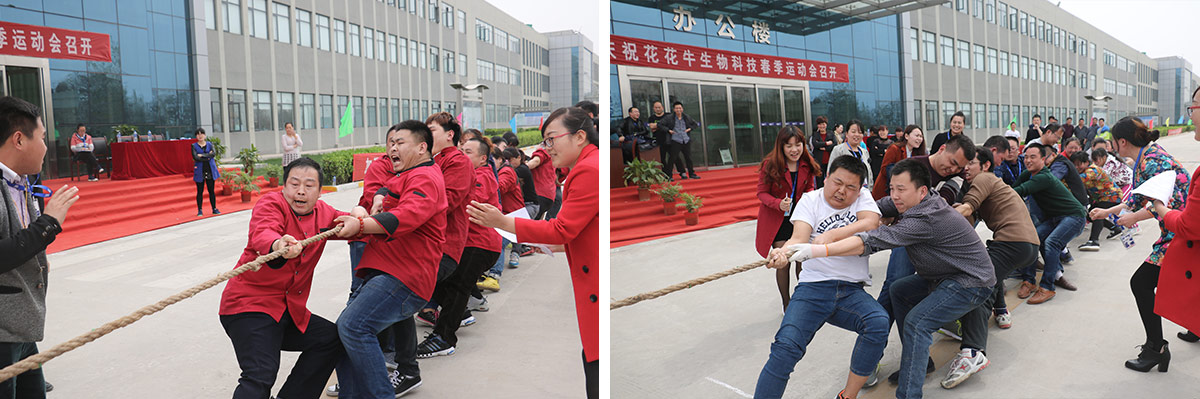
(1159, 28)
(549, 16)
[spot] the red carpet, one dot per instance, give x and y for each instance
(110, 209)
(730, 196)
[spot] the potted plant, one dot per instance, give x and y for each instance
(226, 183)
(248, 157)
(691, 204)
(272, 173)
(669, 194)
(644, 174)
(217, 147)
(244, 183)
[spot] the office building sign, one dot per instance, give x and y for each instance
(648, 53)
(45, 42)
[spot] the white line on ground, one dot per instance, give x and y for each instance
(731, 387)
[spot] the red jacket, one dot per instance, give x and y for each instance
(459, 179)
(578, 227)
(543, 175)
(485, 238)
(378, 171)
(511, 198)
(769, 197)
(272, 291)
(1179, 278)
(414, 215)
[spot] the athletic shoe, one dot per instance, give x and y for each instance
(488, 283)
(1115, 233)
(403, 384)
(428, 317)
(216, 212)
(478, 305)
(1090, 246)
(98, 172)
(514, 259)
(1066, 257)
(952, 330)
(48, 386)
(1004, 320)
(93, 179)
(872, 379)
(199, 213)
(527, 251)
(433, 345)
(968, 362)
(467, 319)
(332, 390)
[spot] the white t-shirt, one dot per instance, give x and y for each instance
(813, 209)
(1012, 133)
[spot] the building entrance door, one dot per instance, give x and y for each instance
(28, 79)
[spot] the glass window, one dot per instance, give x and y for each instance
(462, 64)
(339, 36)
(448, 59)
(308, 111)
(947, 51)
(380, 46)
(421, 55)
(1003, 63)
(218, 118)
(403, 51)
(258, 18)
(369, 43)
(501, 39)
(931, 115)
(237, 110)
(303, 28)
(287, 111)
(1002, 14)
(991, 65)
(404, 105)
(371, 113)
(1005, 116)
(1012, 18)
(461, 17)
(233, 21)
(262, 111)
(1024, 67)
(948, 111)
(326, 111)
(396, 111)
(383, 113)
(990, 11)
(412, 53)
(1022, 23)
(283, 23)
(355, 45)
(343, 102)
(1071, 42)
(434, 64)
(977, 9)
(447, 16)
(392, 49)
(358, 112)
(964, 54)
(322, 32)
(912, 43)
(930, 50)
(993, 116)
(210, 16)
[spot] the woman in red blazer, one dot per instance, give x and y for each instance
(786, 173)
(910, 143)
(1178, 300)
(571, 139)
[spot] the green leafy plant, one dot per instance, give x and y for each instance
(669, 192)
(338, 166)
(217, 147)
(691, 203)
(120, 130)
(226, 178)
(248, 157)
(270, 171)
(644, 173)
(243, 181)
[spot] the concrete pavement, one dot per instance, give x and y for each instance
(711, 341)
(526, 346)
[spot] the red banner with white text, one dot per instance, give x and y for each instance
(45, 42)
(648, 53)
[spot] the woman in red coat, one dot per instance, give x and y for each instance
(910, 143)
(571, 140)
(1185, 224)
(787, 172)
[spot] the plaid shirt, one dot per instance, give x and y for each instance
(1099, 186)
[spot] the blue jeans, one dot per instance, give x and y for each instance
(356, 252)
(498, 268)
(1055, 233)
(381, 301)
(898, 266)
(840, 303)
(920, 310)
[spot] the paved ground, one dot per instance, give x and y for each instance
(526, 346)
(711, 341)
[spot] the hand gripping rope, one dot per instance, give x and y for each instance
(36, 361)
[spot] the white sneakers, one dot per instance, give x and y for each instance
(1004, 320)
(968, 362)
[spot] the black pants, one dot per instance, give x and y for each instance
(664, 147)
(257, 340)
(90, 159)
(544, 205)
(28, 385)
(452, 293)
(627, 151)
(556, 205)
(212, 194)
(1100, 225)
(681, 156)
(404, 332)
(1143, 283)
(591, 374)
(1006, 257)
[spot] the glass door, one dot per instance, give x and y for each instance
(746, 128)
(688, 94)
(718, 146)
(643, 94)
(770, 111)
(24, 83)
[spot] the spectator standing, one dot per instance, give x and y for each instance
(786, 173)
(958, 122)
(292, 144)
(680, 125)
(822, 143)
(908, 144)
(877, 145)
(855, 147)
(205, 171)
(1035, 129)
(1012, 130)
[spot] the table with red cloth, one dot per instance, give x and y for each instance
(139, 160)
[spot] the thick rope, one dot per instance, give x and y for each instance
(686, 284)
(36, 361)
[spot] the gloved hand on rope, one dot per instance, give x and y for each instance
(779, 257)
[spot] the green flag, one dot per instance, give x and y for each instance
(347, 125)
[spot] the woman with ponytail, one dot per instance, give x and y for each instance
(1131, 139)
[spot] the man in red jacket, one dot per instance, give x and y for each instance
(543, 181)
(266, 311)
(398, 265)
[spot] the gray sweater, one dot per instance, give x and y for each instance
(23, 288)
(940, 242)
(843, 149)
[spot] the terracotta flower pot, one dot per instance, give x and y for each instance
(274, 182)
(643, 194)
(245, 196)
(691, 218)
(669, 208)
(226, 190)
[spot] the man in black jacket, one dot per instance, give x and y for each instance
(660, 132)
(632, 128)
(680, 126)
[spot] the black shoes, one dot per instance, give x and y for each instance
(694, 176)
(216, 212)
(1151, 357)
(403, 384)
(895, 377)
(1188, 336)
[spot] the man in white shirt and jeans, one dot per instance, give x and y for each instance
(830, 290)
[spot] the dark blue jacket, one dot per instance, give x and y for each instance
(205, 154)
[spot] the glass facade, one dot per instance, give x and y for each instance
(149, 83)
